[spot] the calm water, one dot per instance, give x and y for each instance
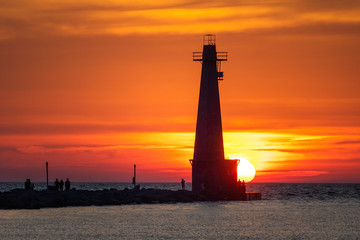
(291, 211)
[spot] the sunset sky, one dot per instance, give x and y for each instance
(93, 87)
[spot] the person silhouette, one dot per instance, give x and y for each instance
(61, 184)
(183, 184)
(57, 184)
(243, 186)
(67, 184)
(27, 184)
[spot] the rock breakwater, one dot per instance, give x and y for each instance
(28, 199)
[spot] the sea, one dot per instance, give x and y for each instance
(287, 211)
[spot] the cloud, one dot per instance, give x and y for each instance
(323, 28)
(293, 173)
(10, 149)
(174, 17)
(66, 129)
(290, 150)
(324, 161)
(281, 115)
(345, 142)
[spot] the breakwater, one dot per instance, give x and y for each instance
(29, 199)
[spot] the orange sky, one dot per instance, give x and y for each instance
(93, 87)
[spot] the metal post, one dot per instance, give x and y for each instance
(47, 175)
(134, 174)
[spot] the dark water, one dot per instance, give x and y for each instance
(307, 191)
(289, 211)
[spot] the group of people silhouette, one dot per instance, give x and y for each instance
(241, 182)
(60, 185)
(242, 185)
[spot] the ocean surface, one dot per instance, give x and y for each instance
(288, 211)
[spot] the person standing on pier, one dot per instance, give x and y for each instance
(28, 184)
(61, 185)
(57, 184)
(183, 184)
(67, 184)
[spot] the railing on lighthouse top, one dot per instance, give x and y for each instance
(210, 39)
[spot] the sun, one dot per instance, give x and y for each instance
(246, 170)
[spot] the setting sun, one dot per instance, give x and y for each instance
(246, 170)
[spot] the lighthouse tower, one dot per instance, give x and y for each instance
(212, 174)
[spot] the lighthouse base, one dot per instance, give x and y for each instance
(217, 180)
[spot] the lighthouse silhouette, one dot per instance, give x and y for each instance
(212, 174)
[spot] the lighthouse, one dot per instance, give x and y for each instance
(212, 174)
